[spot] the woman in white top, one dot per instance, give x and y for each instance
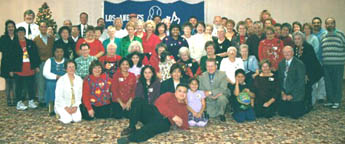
(230, 64)
(198, 42)
(68, 95)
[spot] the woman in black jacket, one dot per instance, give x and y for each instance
(66, 43)
(8, 42)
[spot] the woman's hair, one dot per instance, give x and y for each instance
(111, 44)
(94, 64)
(124, 59)
(161, 45)
(183, 50)
(264, 12)
(298, 33)
(6, 25)
(265, 61)
(61, 29)
(269, 29)
(159, 25)
(175, 26)
(201, 23)
(176, 66)
(84, 44)
(232, 48)
(307, 25)
(297, 23)
(240, 71)
(70, 61)
(150, 22)
(90, 28)
(241, 23)
(130, 24)
(140, 59)
(142, 79)
(210, 43)
(134, 43)
(164, 56)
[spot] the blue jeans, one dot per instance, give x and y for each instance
(334, 82)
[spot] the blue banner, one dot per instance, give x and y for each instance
(177, 12)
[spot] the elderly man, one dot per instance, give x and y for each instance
(120, 33)
(214, 83)
(291, 72)
(30, 27)
(333, 59)
(222, 43)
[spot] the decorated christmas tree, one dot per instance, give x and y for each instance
(44, 14)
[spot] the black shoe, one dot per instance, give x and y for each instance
(123, 140)
(127, 131)
(52, 114)
(222, 118)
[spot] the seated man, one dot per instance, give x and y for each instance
(214, 83)
(291, 73)
(169, 109)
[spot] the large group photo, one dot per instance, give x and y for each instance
(155, 71)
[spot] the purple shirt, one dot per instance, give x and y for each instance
(194, 99)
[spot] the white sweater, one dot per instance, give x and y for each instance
(63, 92)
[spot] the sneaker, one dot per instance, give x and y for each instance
(32, 104)
(328, 104)
(21, 106)
(335, 106)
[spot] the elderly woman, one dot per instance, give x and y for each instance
(9, 41)
(150, 40)
(136, 46)
(66, 43)
(148, 87)
(210, 50)
(312, 39)
(221, 42)
(161, 30)
(198, 42)
(139, 29)
(127, 40)
(170, 84)
(96, 93)
(68, 95)
(305, 52)
(123, 89)
(230, 64)
(250, 63)
(271, 49)
(267, 91)
(112, 39)
(174, 42)
(96, 47)
(53, 69)
(111, 60)
(230, 31)
(190, 66)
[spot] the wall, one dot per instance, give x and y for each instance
(282, 10)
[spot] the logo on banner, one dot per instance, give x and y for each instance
(153, 11)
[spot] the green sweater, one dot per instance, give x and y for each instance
(125, 42)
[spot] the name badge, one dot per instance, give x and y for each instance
(190, 65)
(275, 48)
(270, 79)
(121, 79)
(198, 95)
(150, 89)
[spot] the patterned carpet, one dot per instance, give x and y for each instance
(322, 125)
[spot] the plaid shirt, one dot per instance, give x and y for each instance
(83, 65)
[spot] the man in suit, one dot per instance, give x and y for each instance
(30, 27)
(83, 23)
(214, 83)
(291, 73)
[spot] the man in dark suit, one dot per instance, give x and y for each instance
(83, 24)
(291, 73)
(214, 83)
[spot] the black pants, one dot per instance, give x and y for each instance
(10, 90)
(100, 112)
(308, 97)
(266, 112)
(148, 114)
(27, 82)
(291, 109)
(118, 112)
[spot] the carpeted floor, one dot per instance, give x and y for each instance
(322, 125)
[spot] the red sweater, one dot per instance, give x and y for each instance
(123, 88)
(149, 44)
(271, 50)
(95, 47)
(169, 107)
(96, 91)
(154, 62)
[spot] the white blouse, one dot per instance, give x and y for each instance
(230, 67)
(63, 92)
(197, 47)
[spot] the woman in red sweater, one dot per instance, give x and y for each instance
(271, 49)
(96, 93)
(150, 40)
(123, 89)
(96, 46)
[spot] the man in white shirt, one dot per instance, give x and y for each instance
(83, 24)
(104, 34)
(120, 33)
(75, 33)
(217, 21)
(31, 28)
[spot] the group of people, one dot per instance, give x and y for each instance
(162, 74)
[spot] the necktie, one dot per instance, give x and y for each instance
(84, 31)
(73, 96)
(29, 29)
(286, 73)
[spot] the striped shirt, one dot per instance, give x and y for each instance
(83, 65)
(333, 48)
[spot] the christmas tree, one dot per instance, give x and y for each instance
(44, 14)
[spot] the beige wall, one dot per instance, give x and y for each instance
(282, 10)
